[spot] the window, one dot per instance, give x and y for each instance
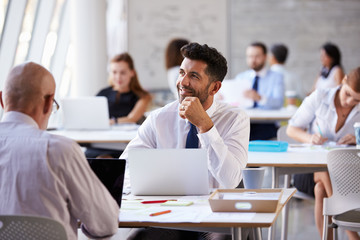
(26, 32)
(3, 9)
(52, 36)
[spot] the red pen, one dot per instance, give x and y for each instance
(160, 213)
(156, 201)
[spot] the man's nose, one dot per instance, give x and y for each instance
(184, 80)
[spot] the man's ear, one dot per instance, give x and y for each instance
(215, 87)
(1, 100)
(48, 104)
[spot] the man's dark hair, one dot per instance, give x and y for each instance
(280, 52)
(216, 64)
(260, 45)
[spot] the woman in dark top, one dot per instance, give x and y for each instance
(127, 100)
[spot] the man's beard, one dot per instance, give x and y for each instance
(202, 96)
(257, 68)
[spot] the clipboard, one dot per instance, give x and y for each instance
(245, 200)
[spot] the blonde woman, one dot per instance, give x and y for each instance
(127, 100)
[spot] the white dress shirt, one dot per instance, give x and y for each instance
(47, 175)
(226, 142)
(318, 112)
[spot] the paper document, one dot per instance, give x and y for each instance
(232, 92)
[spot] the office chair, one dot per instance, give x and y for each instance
(343, 205)
(16, 227)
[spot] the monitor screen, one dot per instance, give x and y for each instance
(111, 173)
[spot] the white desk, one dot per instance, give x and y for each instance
(197, 217)
(115, 138)
(117, 134)
(104, 136)
(305, 159)
(259, 115)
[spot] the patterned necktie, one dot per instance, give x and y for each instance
(192, 140)
(255, 87)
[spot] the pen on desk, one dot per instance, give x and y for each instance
(156, 201)
(159, 213)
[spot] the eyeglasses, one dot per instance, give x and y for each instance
(55, 106)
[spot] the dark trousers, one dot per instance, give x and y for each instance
(262, 131)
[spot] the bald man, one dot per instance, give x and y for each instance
(43, 174)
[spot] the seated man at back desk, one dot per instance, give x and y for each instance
(267, 90)
(43, 174)
(221, 129)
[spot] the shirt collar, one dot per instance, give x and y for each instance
(19, 117)
(330, 98)
(261, 73)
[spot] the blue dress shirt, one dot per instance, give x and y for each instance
(270, 87)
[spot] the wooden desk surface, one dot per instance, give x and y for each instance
(257, 219)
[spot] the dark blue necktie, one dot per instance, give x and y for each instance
(192, 141)
(255, 87)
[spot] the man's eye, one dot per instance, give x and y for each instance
(194, 76)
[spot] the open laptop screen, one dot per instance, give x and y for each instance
(85, 113)
(168, 172)
(111, 173)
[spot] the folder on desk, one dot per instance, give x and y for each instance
(268, 146)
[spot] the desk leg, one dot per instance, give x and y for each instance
(285, 211)
(275, 184)
(236, 233)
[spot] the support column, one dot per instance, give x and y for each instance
(88, 28)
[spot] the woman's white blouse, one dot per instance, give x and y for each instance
(318, 112)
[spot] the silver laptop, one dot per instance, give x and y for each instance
(168, 172)
(85, 113)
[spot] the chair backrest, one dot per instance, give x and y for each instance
(15, 227)
(344, 169)
(282, 136)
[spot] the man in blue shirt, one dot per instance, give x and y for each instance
(267, 90)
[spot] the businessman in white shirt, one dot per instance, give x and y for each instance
(221, 129)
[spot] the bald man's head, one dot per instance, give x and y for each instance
(29, 89)
(26, 85)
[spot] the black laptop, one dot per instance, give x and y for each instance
(111, 172)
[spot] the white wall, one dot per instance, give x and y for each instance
(303, 25)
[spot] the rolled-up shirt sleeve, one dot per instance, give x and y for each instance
(227, 154)
(306, 112)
